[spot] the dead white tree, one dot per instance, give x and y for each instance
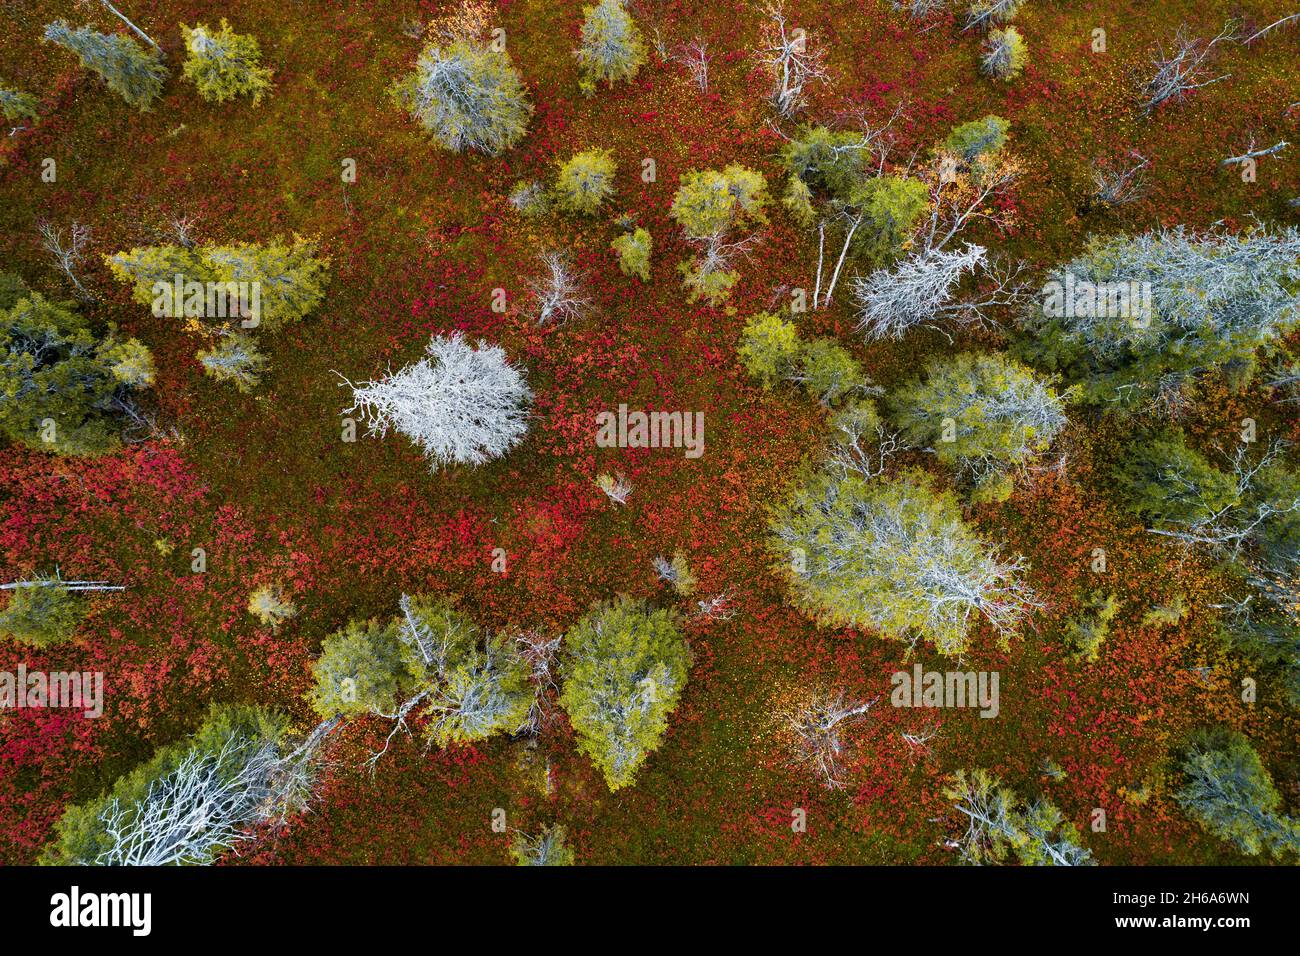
(558, 291)
(694, 55)
(1233, 526)
(793, 65)
(548, 848)
(529, 198)
(817, 730)
(1116, 186)
(432, 652)
(957, 201)
(671, 572)
(1253, 153)
(985, 13)
(921, 291)
(190, 815)
(210, 801)
(182, 230)
(918, 742)
(716, 608)
(998, 823)
(876, 140)
(1286, 380)
(479, 697)
(852, 218)
(920, 9)
(1272, 26)
(459, 404)
(539, 652)
(58, 582)
(717, 255)
(68, 257)
(616, 487)
(998, 58)
(1179, 72)
(122, 16)
(859, 442)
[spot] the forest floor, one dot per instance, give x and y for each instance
(266, 485)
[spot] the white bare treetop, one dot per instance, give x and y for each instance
(209, 801)
(1183, 69)
(558, 291)
(817, 730)
(920, 291)
(460, 404)
(785, 52)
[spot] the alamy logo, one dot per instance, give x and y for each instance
(1081, 299)
(75, 690)
(651, 430)
(103, 909)
(191, 299)
(922, 688)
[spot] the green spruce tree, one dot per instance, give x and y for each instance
(132, 71)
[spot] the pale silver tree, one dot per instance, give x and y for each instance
(1210, 293)
(1119, 185)
(1002, 48)
(675, 572)
(470, 685)
(694, 55)
(482, 694)
(816, 729)
(718, 607)
(134, 72)
(431, 652)
(1230, 527)
(860, 442)
(979, 413)
(182, 230)
(616, 487)
(67, 255)
(998, 824)
(558, 290)
(1183, 70)
(612, 48)
(785, 52)
(957, 201)
(529, 198)
(709, 274)
(852, 218)
(920, 9)
(538, 651)
(986, 13)
(209, 802)
(190, 815)
(467, 95)
(887, 554)
(921, 291)
(918, 742)
(459, 404)
(1253, 153)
